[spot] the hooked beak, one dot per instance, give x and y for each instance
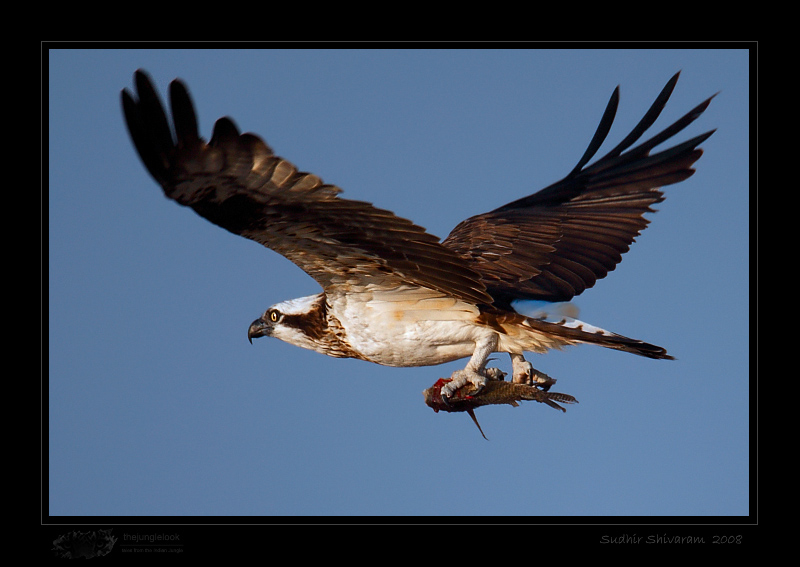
(258, 328)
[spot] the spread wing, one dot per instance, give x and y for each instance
(236, 182)
(556, 243)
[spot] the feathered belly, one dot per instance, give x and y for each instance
(411, 332)
(423, 344)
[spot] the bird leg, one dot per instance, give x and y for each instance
(524, 373)
(475, 372)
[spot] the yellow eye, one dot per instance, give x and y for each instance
(274, 316)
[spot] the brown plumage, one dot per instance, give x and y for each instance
(558, 242)
(551, 245)
(236, 182)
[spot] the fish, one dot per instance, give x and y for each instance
(495, 392)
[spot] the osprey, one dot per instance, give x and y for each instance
(394, 294)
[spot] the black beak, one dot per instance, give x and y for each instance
(258, 328)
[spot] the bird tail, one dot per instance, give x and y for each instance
(539, 334)
(576, 331)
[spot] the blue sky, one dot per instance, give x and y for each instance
(159, 406)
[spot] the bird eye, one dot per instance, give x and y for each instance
(274, 315)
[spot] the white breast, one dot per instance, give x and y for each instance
(408, 326)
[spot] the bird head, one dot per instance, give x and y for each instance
(297, 321)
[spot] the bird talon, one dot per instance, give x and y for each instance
(461, 378)
(478, 390)
(542, 380)
(494, 374)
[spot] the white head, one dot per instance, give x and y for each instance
(301, 322)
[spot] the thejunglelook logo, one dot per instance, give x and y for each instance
(84, 544)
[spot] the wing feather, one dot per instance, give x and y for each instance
(236, 182)
(556, 243)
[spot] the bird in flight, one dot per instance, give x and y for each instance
(394, 294)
